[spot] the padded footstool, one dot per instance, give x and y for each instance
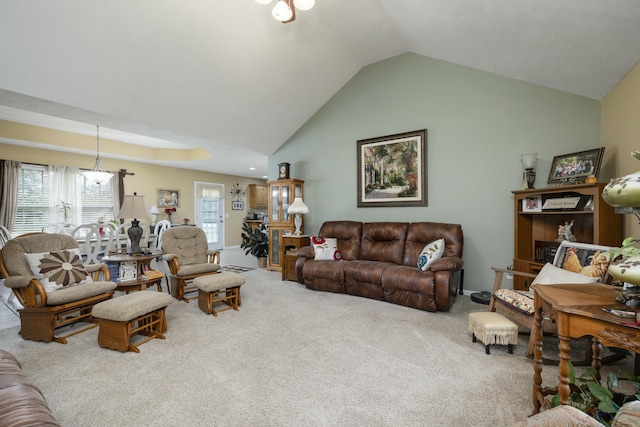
(219, 288)
(123, 317)
(493, 328)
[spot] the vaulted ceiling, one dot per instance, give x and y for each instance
(224, 76)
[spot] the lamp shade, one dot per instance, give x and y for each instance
(298, 207)
(133, 207)
(529, 160)
(281, 11)
(304, 4)
(154, 210)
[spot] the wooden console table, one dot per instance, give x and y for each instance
(577, 310)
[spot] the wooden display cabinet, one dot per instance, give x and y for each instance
(594, 221)
(290, 246)
(258, 196)
(281, 194)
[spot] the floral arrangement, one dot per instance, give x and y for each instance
(169, 211)
(186, 220)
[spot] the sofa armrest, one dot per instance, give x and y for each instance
(306, 252)
(28, 290)
(18, 281)
(449, 263)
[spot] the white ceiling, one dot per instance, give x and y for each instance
(225, 76)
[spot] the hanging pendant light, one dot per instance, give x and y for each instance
(304, 4)
(282, 11)
(98, 174)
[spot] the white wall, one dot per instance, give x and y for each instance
(478, 126)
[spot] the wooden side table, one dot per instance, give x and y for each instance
(290, 246)
(137, 264)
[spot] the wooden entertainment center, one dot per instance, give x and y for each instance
(536, 226)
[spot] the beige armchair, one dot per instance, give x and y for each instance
(36, 268)
(187, 252)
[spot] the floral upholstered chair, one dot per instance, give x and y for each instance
(573, 263)
(46, 274)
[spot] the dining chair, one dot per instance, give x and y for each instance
(94, 239)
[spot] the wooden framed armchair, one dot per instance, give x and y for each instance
(187, 253)
(573, 263)
(47, 276)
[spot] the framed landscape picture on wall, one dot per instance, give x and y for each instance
(392, 170)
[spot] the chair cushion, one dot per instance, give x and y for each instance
(520, 300)
(190, 270)
(78, 292)
(550, 275)
(563, 415)
(188, 243)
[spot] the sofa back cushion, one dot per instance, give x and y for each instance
(13, 253)
(384, 241)
(421, 233)
(348, 233)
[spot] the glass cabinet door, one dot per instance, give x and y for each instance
(275, 206)
(285, 202)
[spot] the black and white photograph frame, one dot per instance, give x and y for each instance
(237, 205)
(532, 203)
(392, 170)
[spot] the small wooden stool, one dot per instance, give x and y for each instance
(211, 288)
(123, 317)
(493, 328)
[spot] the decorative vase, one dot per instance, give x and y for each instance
(624, 192)
(627, 270)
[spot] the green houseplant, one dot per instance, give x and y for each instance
(599, 401)
(256, 243)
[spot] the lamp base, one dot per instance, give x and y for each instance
(528, 179)
(135, 233)
(297, 221)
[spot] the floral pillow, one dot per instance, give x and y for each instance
(325, 249)
(430, 253)
(58, 269)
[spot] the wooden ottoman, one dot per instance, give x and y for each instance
(219, 288)
(123, 317)
(493, 328)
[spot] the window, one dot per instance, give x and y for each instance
(39, 204)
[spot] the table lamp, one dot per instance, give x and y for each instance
(153, 210)
(298, 207)
(134, 207)
(529, 175)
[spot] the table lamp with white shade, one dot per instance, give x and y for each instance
(153, 210)
(134, 207)
(298, 207)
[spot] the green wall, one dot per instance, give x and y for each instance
(478, 126)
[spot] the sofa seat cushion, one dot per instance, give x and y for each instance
(364, 278)
(520, 300)
(193, 269)
(409, 286)
(79, 292)
(324, 275)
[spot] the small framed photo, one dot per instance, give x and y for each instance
(237, 205)
(532, 204)
(575, 167)
(168, 198)
(128, 271)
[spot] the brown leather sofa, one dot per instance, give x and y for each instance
(380, 261)
(22, 402)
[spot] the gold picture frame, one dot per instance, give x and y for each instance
(168, 198)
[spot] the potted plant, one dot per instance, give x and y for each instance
(256, 243)
(601, 402)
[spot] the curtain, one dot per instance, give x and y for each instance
(208, 191)
(65, 195)
(9, 178)
(115, 192)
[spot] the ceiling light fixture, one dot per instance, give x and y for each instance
(285, 10)
(97, 174)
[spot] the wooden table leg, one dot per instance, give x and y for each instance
(536, 333)
(563, 370)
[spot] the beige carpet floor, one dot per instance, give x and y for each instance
(288, 357)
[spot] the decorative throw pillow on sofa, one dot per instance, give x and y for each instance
(325, 249)
(55, 270)
(430, 253)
